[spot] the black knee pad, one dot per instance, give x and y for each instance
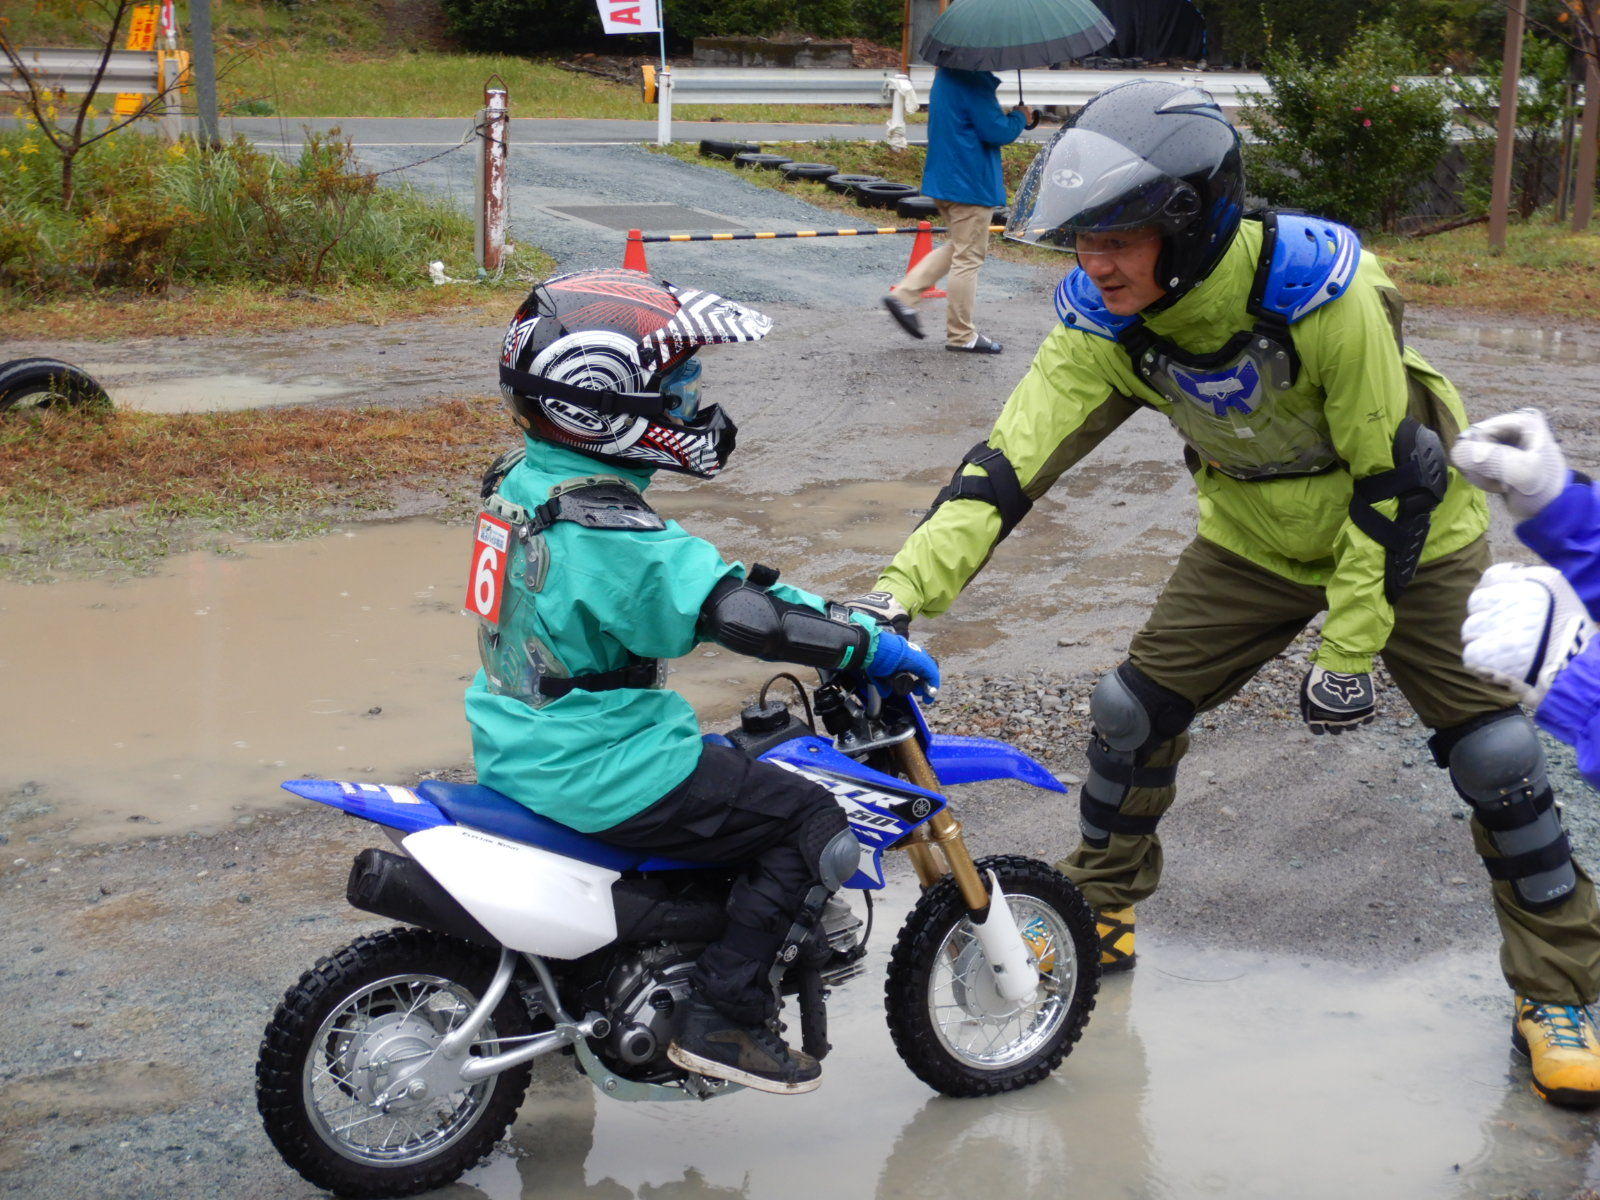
(1132, 715)
(829, 846)
(1498, 767)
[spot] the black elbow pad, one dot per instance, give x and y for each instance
(751, 620)
(999, 487)
(1418, 481)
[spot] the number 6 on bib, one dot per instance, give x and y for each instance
(487, 580)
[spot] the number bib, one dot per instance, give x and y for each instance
(486, 582)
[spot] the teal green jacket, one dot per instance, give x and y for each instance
(593, 759)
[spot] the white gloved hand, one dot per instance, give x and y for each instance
(1515, 456)
(1524, 625)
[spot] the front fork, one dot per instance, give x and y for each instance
(938, 848)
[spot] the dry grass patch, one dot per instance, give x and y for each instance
(1545, 270)
(195, 464)
(121, 491)
(240, 308)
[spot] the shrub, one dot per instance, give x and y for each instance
(147, 214)
(1347, 139)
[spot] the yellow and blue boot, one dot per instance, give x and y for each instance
(1562, 1044)
(1115, 927)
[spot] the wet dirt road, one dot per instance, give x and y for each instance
(144, 968)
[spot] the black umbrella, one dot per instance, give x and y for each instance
(1004, 35)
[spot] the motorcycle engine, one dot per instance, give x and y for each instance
(643, 994)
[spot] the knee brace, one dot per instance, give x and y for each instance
(1497, 766)
(1132, 715)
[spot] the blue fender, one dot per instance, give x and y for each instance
(383, 803)
(975, 759)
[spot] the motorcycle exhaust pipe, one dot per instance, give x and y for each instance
(395, 886)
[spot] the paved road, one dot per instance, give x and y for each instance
(528, 131)
(550, 178)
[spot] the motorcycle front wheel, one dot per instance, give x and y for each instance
(949, 1022)
(356, 1021)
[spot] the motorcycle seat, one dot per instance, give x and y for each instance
(494, 812)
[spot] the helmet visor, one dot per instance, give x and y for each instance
(1084, 182)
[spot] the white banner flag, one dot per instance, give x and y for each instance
(629, 16)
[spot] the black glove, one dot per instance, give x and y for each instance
(1331, 701)
(884, 609)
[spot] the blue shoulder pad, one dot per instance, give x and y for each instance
(1080, 307)
(1313, 261)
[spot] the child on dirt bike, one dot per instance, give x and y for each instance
(584, 591)
(1528, 629)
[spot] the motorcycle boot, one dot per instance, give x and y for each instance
(753, 1055)
(1563, 1047)
(1115, 928)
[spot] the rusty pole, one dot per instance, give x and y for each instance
(1505, 146)
(492, 177)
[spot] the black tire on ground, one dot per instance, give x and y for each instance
(911, 965)
(769, 162)
(882, 195)
(48, 383)
(918, 208)
(1001, 216)
(711, 148)
(816, 172)
(844, 183)
(288, 1041)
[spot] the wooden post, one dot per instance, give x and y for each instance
(1588, 142)
(905, 39)
(1569, 101)
(1505, 146)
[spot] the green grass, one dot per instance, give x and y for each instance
(323, 83)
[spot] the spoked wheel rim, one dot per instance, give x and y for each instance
(975, 1025)
(385, 1033)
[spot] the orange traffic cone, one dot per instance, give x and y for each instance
(633, 257)
(921, 247)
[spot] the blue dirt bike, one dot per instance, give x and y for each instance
(396, 1063)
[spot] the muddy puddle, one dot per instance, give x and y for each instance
(1203, 1074)
(1508, 345)
(180, 701)
(149, 388)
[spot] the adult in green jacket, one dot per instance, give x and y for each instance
(1317, 441)
(584, 591)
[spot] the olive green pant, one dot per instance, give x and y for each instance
(1220, 618)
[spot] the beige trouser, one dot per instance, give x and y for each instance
(960, 256)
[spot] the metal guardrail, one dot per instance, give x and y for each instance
(157, 73)
(72, 71)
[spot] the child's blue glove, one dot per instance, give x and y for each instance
(895, 654)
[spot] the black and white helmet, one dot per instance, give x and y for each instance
(600, 362)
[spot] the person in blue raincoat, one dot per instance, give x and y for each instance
(1531, 629)
(966, 128)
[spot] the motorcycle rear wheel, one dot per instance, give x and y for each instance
(326, 1052)
(949, 1024)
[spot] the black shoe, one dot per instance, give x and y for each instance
(905, 316)
(710, 1044)
(980, 345)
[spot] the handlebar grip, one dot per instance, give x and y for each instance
(901, 683)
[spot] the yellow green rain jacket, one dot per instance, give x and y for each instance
(1356, 382)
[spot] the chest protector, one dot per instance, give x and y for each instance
(516, 660)
(1231, 407)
